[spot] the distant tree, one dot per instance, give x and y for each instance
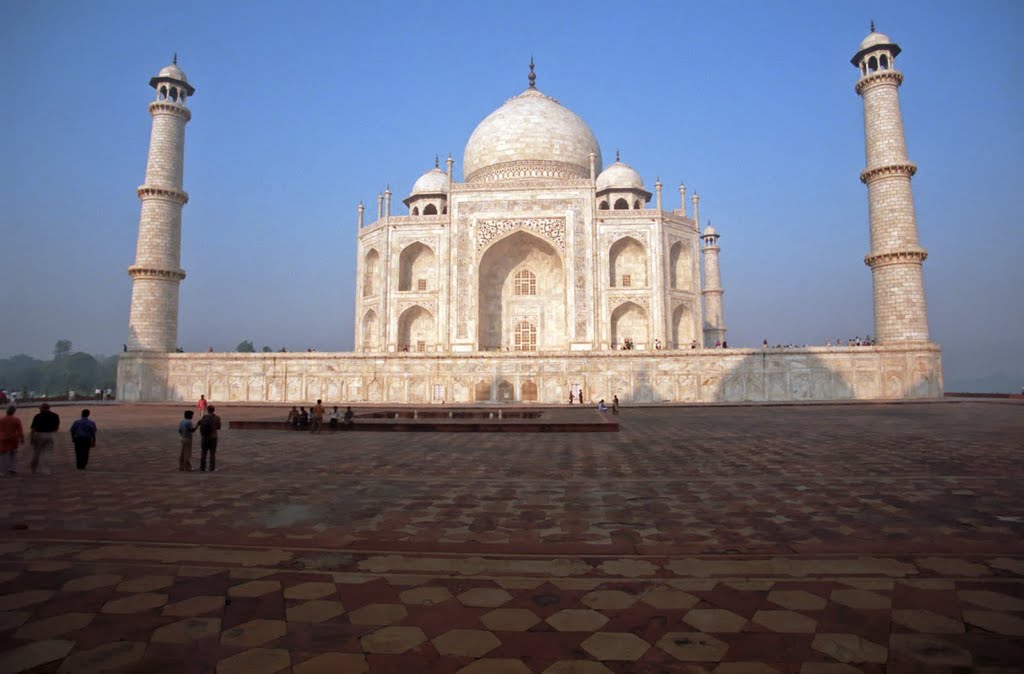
(246, 347)
(61, 349)
(265, 349)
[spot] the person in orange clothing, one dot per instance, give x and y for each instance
(12, 435)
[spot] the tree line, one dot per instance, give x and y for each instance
(69, 370)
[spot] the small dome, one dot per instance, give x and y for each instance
(710, 231)
(173, 72)
(619, 176)
(874, 39)
(434, 181)
(530, 127)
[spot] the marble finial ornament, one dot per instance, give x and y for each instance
(872, 25)
(436, 163)
(175, 59)
(616, 155)
(533, 76)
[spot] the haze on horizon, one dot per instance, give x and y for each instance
(300, 113)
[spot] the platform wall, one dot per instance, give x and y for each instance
(710, 375)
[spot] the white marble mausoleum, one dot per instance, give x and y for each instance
(543, 271)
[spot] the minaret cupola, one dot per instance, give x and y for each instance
(620, 188)
(429, 194)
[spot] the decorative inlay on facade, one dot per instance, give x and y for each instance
(533, 170)
(167, 106)
(615, 301)
(551, 229)
(882, 76)
(896, 257)
(904, 168)
(136, 271)
(177, 196)
(401, 244)
(610, 238)
(429, 305)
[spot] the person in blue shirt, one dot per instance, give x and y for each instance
(83, 434)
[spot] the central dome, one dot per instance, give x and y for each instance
(530, 137)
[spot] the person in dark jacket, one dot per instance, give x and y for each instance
(43, 429)
(83, 434)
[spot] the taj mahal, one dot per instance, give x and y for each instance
(544, 271)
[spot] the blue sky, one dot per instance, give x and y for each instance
(303, 109)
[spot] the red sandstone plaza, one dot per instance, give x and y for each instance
(819, 539)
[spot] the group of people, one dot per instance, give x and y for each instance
(42, 432)
(208, 426)
(603, 407)
(300, 419)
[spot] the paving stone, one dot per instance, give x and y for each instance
(145, 584)
(254, 588)
(187, 630)
(797, 600)
(253, 633)
(47, 628)
(829, 668)
(927, 621)
(92, 582)
(34, 654)
(315, 611)
(577, 667)
(928, 649)
(714, 620)
(112, 656)
(849, 648)
(745, 668)
(668, 598)
(135, 603)
(509, 619)
(577, 620)
(608, 599)
(861, 599)
(786, 621)
(495, 666)
(949, 566)
(615, 646)
(425, 596)
(996, 621)
(11, 619)
(993, 601)
(22, 599)
(309, 591)
(194, 606)
(333, 663)
(485, 597)
(393, 639)
(378, 614)
(255, 661)
(693, 646)
(466, 643)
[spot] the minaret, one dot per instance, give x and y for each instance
(895, 258)
(157, 272)
(714, 319)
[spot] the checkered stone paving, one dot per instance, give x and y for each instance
(810, 540)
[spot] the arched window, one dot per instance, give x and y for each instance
(872, 64)
(636, 205)
(370, 267)
(525, 336)
(444, 211)
(528, 391)
(415, 210)
(524, 283)
(883, 61)
(430, 209)
(163, 93)
(603, 206)
(621, 205)
(174, 93)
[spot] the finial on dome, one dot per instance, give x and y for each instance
(175, 59)
(872, 25)
(616, 155)
(437, 164)
(533, 77)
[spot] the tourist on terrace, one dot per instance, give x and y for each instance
(185, 431)
(601, 407)
(293, 417)
(11, 437)
(334, 417)
(44, 427)
(83, 435)
(348, 416)
(615, 404)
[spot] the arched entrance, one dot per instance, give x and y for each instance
(416, 329)
(629, 322)
(521, 293)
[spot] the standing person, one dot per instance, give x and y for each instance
(202, 404)
(11, 437)
(571, 398)
(348, 415)
(317, 417)
(43, 428)
(185, 431)
(208, 427)
(615, 404)
(83, 435)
